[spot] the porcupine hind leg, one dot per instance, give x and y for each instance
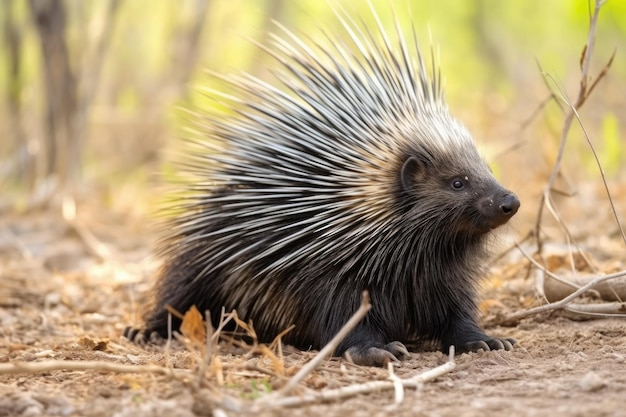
(177, 288)
(466, 336)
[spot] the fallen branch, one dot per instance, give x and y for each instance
(98, 366)
(597, 310)
(512, 318)
(609, 291)
(352, 390)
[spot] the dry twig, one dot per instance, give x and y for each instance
(331, 346)
(352, 390)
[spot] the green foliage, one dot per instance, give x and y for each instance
(258, 387)
(611, 154)
(128, 101)
(255, 389)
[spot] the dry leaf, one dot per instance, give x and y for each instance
(93, 344)
(192, 326)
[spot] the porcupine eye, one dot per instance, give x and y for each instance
(458, 184)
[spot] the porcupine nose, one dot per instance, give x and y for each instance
(509, 205)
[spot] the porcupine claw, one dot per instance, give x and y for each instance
(135, 335)
(378, 355)
(489, 344)
(141, 336)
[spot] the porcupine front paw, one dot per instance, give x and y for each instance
(487, 345)
(467, 336)
(377, 354)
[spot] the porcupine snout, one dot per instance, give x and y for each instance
(498, 207)
(509, 204)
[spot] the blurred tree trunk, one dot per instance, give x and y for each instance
(62, 150)
(184, 52)
(186, 48)
(69, 94)
(23, 164)
(92, 68)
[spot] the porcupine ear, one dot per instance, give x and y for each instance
(412, 168)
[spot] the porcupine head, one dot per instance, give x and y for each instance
(349, 176)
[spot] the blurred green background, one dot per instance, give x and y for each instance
(136, 63)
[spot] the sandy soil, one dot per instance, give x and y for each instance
(64, 297)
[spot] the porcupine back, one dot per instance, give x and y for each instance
(347, 175)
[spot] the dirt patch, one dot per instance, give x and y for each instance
(60, 300)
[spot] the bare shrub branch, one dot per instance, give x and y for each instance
(583, 93)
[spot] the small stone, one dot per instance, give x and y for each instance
(591, 382)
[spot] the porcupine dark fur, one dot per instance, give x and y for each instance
(347, 175)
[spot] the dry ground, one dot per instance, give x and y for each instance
(59, 300)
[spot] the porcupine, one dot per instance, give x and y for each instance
(346, 175)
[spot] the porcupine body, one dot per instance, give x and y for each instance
(349, 175)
